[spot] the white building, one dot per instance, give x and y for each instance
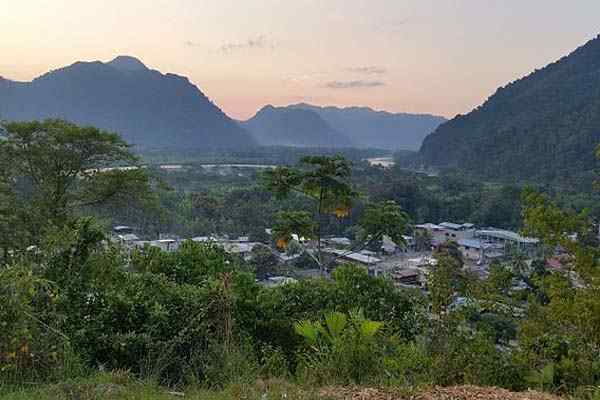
(506, 238)
(447, 231)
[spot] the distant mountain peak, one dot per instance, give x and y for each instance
(366, 127)
(268, 107)
(283, 126)
(128, 63)
(149, 109)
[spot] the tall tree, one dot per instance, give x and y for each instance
(326, 181)
(53, 169)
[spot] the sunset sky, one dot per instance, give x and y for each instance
(427, 56)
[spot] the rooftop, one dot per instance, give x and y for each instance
(506, 235)
(430, 226)
(358, 257)
(451, 225)
(476, 244)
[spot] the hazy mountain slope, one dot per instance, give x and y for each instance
(149, 109)
(544, 126)
(282, 126)
(368, 128)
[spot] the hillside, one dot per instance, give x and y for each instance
(149, 109)
(378, 129)
(544, 126)
(281, 126)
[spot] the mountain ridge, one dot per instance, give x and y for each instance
(148, 108)
(282, 126)
(545, 125)
(370, 128)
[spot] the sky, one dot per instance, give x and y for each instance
(442, 57)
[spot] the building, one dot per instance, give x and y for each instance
(407, 277)
(456, 232)
(124, 235)
(479, 250)
(388, 246)
(338, 242)
(168, 245)
(506, 239)
(447, 231)
(364, 258)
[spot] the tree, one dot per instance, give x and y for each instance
(423, 240)
(562, 332)
(385, 218)
(326, 181)
(446, 278)
(263, 260)
(54, 168)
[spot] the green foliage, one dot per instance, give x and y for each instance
(290, 223)
(264, 261)
(386, 218)
(55, 168)
(539, 128)
(446, 279)
(31, 345)
(351, 288)
(344, 349)
(322, 179)
(193, 263)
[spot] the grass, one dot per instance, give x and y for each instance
(123, 387)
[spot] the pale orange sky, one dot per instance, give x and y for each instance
(429, 56)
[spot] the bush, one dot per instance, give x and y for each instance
(31, 346)
(343, 349)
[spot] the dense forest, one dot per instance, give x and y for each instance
(81, 311)
(542, 127)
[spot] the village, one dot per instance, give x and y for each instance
(407, 265)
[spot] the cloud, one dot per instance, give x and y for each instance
(258, 42)
(190, 43)
(369, 70)
(306, 77)
(353, 84)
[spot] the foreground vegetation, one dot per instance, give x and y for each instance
(74, 303)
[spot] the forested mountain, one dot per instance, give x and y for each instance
(148, 108)
(281, 126)
(366, 127)
(544, 126)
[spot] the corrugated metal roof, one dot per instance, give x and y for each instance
(506, 235)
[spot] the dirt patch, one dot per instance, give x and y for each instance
(437, 393)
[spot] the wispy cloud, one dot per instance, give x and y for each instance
(258, 42)
(304, 77)
(357, 84)
(368, 70)
(190, 43)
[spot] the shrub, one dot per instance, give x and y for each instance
(344, 349)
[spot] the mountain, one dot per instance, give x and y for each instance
(377, 129)
(148, 108)
(543, 126)
(281, 126)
